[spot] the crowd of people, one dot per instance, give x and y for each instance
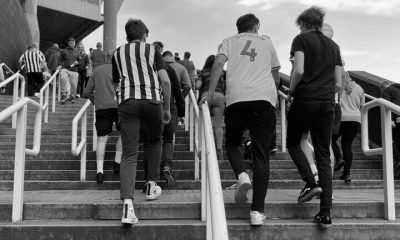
(139, 90)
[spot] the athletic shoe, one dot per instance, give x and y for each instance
(37, 94)
(78, 96)
(346, 178)
(309, 193)
(128, 215)
(99, 177)
(72, 99)
(243, 186)
(339, 165)
(325, 222)
(167, 172)
(273, 150)
(152, 190)
(116, 167)
(63, 99)
(3, 90)
(257, 218)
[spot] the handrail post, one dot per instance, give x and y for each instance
(187, 112)
(94, 132)
(191, 124)
(59, 86)
(196, 152)
(19, 169)
(388, 180)
(209, 218)
(203, 170)
(83, 151)
(53, 101)
(283, 123)
(15, 100)
(46, 110)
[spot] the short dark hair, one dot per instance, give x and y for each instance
(135, 29)
(209, 62)
(71, 39)
(167, 53)
(246, 22)
(187, 55)
(312, 18)
(159, 44)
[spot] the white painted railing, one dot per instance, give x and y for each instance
(20, 108)
(44, 96)
(15, 78)
(282, 99)
(81, 148)
(212, 202)
(386, 150)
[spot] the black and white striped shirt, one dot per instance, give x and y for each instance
(135, 67)
(32, 60)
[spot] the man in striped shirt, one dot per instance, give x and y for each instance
(34, 61)
(144, 95)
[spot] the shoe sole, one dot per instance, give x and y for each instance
(129, 223)
(257, 223)
(170, 180)
(154, 196)
(241, 193)
(324, 226)
(308, 197)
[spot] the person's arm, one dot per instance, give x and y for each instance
(43, 62)
(298, 70)
(89, 90)
(277, 78)
(166, 91)
(178, 96)
(186, 85)
(337, 75)
(216, 72)
(1, 74)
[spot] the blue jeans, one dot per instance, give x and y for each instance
(318, 117)
(132, 114)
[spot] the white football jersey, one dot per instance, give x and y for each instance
(251, 57)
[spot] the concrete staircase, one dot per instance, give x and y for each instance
(59, 206)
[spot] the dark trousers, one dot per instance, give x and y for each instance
(132, 114)
(82, 82)
(396, 143)
(167, 155)
(318, 117)
(348, 131)
(35, 82)
(260, 118)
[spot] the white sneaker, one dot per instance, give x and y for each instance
(243, 186)
(257, 218)
(37, 94)
(128, 215)
(153, 190)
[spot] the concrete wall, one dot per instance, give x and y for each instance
(14, 33)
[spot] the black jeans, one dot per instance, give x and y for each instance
(132, 113)
(318, 117)
(35, 82)
(260, 118)
(348, 131)
(396, 143)
(82, 82)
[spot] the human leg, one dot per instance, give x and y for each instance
(350, 130)
(218, 108)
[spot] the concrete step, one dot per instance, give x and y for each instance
(296, 229)
(177, 164)
(185, 204)
(71, 175)
(7, 185)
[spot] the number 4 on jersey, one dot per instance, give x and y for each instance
(246, 52)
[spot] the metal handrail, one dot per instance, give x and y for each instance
(20, 108)
(386, 150)
(44, 100)
(212, 202)
(81, 148)
(15, 78)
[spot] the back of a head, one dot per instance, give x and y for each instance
(99, 45)
(167, 53)
(327, 30)
(187, 55)
(135, 29)
(209, 62)
(312, 18)
(246, 23)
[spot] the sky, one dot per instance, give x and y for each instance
(367, 31)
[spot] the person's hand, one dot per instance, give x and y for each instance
(393, 124)
(289, 97)
(58, 67)
(207, 97)
(166, 116)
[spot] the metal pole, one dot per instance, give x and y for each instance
(15, 100)
(283, 123)
(191, 126)
(19, 168)
(388, 180)
(110, 25)
(187, 113)
(203, 171)
(46, 110)
(83, 152)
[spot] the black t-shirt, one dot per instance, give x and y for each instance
(321, 55)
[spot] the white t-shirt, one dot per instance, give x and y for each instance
(250, 60)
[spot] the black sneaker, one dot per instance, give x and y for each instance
(339, 165)
(346, 178)
(309, 193)
(63, 100)
(325, 222)
(99, 178)
(116, 167)
(167, 172)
